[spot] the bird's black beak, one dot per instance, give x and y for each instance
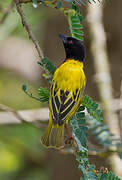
(63, 38)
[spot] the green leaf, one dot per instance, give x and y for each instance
(78, 37)
(47, 65)
(24, 87)
(43, 94)
(77, 26)
(80, 115)
(92, 108)
(77, 32)
(82, 108)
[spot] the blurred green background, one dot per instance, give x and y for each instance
(21, 155)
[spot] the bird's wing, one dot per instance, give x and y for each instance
(64, 104)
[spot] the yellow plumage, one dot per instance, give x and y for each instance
(65, 98)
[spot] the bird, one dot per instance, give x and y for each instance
(66, 92)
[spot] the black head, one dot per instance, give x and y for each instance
(73, 47)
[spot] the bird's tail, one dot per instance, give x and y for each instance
(54, 136)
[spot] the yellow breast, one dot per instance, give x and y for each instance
(70, 76)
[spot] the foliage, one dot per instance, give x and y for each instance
(92, 108)
(48, 67)
(74, 23)
(42, 92)
(80, 132)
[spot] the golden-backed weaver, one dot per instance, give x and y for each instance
(66, 91)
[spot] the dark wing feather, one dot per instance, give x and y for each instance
(62, 103)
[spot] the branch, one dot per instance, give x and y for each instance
(31, 116)
(104, 81)
(7, 11)
(10, 110)
(28, 29)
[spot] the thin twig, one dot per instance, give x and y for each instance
(28, 29)
(7, 11)
(15, 113)
(28, 116)
(96, 152)
(23, 116)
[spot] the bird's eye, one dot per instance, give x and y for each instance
(70, 42)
